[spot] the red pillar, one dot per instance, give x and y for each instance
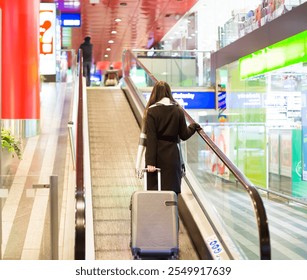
(20, 59)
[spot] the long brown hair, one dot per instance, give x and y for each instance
(160, 90)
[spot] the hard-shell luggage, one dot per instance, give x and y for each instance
(154, 223)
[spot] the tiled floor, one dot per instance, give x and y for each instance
(26, 210)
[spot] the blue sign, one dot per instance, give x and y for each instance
(96, 77)
(195, 99)
(237, 100)
(192, 99)
(70, 20)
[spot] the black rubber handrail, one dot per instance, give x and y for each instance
(80, 190)
(259, 209)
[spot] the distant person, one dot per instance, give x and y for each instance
(163, 126)
(111, 77)
(87, 50)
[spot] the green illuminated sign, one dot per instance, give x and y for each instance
(284, 53)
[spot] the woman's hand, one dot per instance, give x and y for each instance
(195, 126)
(151, 168)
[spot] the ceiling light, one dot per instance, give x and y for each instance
(110, 41)
(72, 4)
(113, 32)
(106, 55)
(118, 20)
(108, 49)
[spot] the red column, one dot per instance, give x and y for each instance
(20, 59)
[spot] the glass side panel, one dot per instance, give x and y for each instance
(217, 186)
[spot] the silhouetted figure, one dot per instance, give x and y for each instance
(87, 50)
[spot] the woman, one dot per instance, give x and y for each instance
(163, 125)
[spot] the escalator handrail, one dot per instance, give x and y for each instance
(80, 189)
(257, 202)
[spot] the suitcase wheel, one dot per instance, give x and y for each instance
(174, 257)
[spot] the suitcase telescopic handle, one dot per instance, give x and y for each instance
(159, 178)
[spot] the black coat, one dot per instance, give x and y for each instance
(165, 123)
(87, 49)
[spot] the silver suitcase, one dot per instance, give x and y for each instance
(154, 223)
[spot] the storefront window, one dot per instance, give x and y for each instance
(269, 120)
(248, 19)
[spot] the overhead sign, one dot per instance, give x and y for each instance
(70, 19)
(192, 99)
(284, 53)
(195, 99)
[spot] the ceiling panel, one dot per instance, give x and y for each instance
(143, 23)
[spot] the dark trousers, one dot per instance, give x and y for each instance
(87, 72)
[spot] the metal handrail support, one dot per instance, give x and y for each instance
(54, 213)
(54, 217)
(72, 145)
(283, 196)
